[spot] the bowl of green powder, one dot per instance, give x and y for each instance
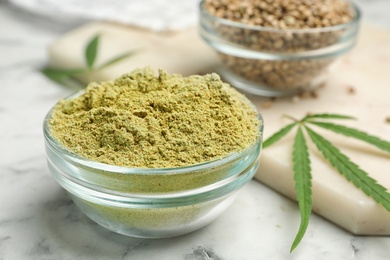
(154, 156)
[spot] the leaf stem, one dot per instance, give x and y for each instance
(292, 118)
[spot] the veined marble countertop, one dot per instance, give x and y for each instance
(39, 221)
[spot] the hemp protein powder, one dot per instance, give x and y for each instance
(147, 121)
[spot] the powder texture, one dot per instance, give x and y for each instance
(148, 121)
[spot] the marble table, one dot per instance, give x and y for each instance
(39, 221)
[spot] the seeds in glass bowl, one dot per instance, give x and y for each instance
(286, 43)
(282, 14)
(278, 74)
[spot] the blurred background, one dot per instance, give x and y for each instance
(154, 14)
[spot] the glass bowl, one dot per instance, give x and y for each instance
(267, 61)
(146, 202)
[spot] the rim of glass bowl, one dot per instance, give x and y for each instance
(355, 19)
(98, 194)
(325, 52)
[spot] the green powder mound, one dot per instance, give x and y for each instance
(148, 121)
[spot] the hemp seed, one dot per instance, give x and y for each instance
(287, 17)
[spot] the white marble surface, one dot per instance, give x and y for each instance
(39, 221)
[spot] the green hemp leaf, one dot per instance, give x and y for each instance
(91, 51)
(66, 76)
(302, 177)
(347, 168)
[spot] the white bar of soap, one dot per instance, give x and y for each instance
(364, 69)
(176, 52)
(334, 197)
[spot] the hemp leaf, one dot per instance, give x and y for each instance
(91, 51)
(63, 77)
(327, 116)
(116, 59)
(66, 76)
(277, 136)
(347, 168)
(379, 143)
(302, 177)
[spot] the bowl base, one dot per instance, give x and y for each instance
(154, 223)
(261, 89)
